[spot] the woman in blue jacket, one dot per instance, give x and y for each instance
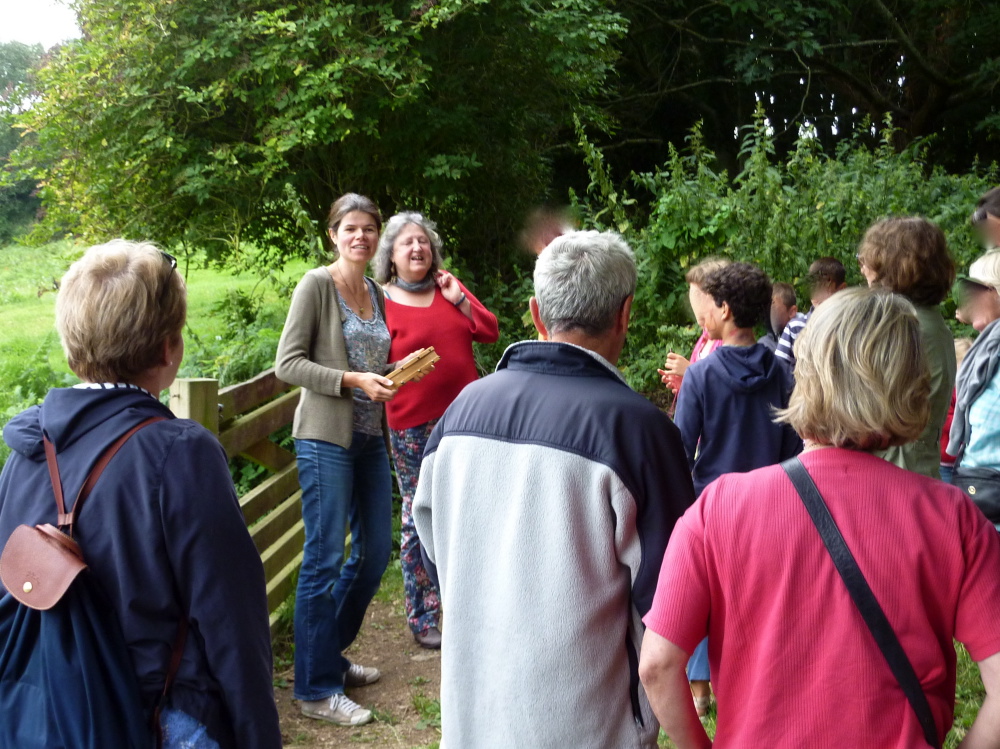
(163, 533)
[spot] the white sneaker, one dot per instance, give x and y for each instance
(361, 676)
(339, 709)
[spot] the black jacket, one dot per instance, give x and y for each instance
(163, 534)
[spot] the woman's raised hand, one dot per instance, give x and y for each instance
(673, 371)
(448, 284)
(676, 364)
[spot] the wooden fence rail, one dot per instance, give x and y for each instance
(245, 416)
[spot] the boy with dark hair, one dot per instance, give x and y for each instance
(726, 418)
(826, 277)
(725, 411)
(784, 309)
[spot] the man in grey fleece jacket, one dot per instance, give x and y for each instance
(547, 494)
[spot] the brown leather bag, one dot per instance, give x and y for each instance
(39, 563)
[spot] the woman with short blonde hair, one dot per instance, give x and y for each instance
(747, 566)
(865, 345)
(163, 535)
(108, 329)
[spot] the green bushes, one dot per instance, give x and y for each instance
(780, 215)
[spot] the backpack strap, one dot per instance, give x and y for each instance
(863, 597)
(175, 663)
(67, 519)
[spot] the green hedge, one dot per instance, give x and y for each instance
(780, 215)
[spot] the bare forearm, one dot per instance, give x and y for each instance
(671, 702)
(661, 669)
(985, 730)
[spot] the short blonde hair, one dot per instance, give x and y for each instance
(861, 380)
(117, 306)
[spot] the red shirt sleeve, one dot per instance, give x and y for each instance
(484, 323)
(682, 602)
(979, 597)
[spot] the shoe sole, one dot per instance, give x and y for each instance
(346, 724)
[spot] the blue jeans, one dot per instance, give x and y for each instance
(339, 486)
(947, 471)
(181, 731)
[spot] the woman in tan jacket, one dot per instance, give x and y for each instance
(335, 345)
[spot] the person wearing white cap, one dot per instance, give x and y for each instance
(975, 431)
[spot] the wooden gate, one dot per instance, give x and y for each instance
(245, 416)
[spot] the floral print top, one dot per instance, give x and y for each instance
(367, 344)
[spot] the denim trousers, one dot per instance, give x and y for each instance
(423, 601)
(181, 731)
(697, 667)
(340, 487)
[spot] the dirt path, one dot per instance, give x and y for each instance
(404, 700)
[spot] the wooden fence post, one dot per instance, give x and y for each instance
(197, 399)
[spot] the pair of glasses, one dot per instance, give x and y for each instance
(172, 262)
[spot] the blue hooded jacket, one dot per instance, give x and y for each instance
(164, 537)
(725, 412)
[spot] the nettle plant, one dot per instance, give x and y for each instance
(779, 214)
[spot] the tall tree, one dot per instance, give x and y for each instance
(18, 203)
(208, 124)
(933, 65)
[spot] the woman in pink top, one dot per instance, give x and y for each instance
(793, 663)
(676, 365)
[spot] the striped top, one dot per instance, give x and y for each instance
(785, 349)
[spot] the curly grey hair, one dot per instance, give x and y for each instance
(382, 264)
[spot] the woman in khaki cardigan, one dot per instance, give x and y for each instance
(335, 345)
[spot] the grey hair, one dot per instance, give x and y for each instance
(382, 263)
(581, 281)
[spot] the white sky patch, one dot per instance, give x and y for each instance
(45, 22)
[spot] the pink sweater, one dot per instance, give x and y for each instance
(793, 664)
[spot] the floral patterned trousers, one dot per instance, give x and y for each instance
(423, 601)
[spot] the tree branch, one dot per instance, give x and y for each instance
(911, 48)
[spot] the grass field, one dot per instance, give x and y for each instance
(27, 302)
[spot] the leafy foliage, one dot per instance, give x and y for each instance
(18, 203)
(208, 125)
(779, 214)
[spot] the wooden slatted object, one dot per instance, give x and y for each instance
(421, 364)
(245, 416)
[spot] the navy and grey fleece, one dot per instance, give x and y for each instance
(547, 494)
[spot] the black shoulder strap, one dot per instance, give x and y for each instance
(863, 597)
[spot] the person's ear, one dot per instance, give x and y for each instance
(536, 318)
(725, 313)
(793, 311)
(166, 351)
(625, 313)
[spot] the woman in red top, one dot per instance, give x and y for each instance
(793, 663)
(425, 306)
